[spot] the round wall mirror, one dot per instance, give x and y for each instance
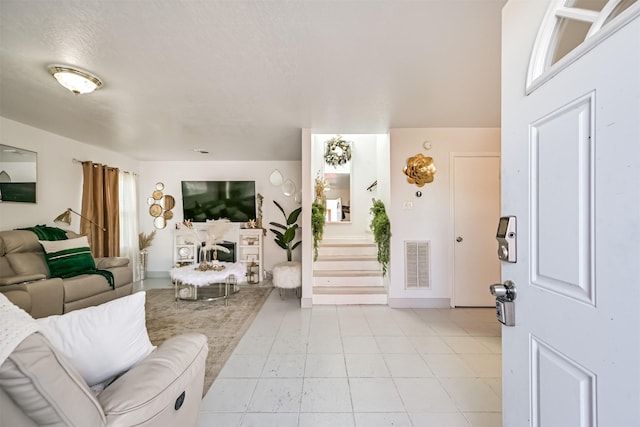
(159, 186)
(159, 222)
(169, 202)
(276, 178)
(288, 188)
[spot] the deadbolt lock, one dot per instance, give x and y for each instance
(506, 291)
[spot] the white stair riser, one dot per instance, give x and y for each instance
(347, 250)
(347, 264)
(327, 299)
(348, 281)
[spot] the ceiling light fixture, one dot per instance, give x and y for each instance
(77, 81)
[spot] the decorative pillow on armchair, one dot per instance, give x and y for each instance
(101, 341)
(68, 257)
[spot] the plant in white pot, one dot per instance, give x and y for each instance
(287, 275)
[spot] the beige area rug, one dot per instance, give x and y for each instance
(223, 326)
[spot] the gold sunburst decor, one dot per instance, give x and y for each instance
(420, 170)
(337, 151)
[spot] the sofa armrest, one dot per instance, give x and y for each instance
(14, 280)
(39, 298)
(147, 394)
(111, 262)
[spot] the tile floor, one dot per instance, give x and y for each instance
(360, 366)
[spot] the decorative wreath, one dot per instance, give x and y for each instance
(337, 152)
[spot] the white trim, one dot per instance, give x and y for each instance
(452, 234)
(607, 10)
(582, 15)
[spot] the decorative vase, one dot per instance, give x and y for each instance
(142, 265)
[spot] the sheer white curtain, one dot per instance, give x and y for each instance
(129, 221)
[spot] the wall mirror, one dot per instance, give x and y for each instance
(18, 174)
(160, 206)
(276, 178)
(337, 174)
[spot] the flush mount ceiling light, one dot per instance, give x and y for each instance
(77, 81)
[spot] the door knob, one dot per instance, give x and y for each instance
(459, 239)
(506, 291)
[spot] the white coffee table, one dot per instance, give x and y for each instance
(187, 280)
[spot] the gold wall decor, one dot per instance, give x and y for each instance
(160, 206)
(420, 170)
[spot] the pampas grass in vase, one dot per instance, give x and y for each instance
(144, 241)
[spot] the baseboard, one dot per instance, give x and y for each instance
(306, 302)
(420, 302)
(157, 274)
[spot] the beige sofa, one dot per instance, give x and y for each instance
(25, 278)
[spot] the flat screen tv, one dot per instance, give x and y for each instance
(209, 200)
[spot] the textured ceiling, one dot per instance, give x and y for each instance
(240, 78)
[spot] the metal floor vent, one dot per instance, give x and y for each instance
(417, 264)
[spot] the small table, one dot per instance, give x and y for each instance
(187, 280)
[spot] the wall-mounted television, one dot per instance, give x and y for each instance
(209, 200)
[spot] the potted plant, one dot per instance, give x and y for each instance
(381, 228)
(317, 225)
(285, 238)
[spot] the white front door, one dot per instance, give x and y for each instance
(571, 175)
(476, 209)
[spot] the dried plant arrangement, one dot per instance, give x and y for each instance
(145, 240)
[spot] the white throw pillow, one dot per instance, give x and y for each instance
(102, 341)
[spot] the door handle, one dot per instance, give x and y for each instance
(459, 239)
(506, 291)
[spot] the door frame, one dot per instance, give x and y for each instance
(452, 157)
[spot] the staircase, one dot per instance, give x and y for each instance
(347, 272)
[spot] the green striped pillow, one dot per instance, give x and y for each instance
(67, 258)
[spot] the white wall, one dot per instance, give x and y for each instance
(429, 217)
(59, 179)
(172, 173)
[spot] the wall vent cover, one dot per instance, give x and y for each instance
(417, 264)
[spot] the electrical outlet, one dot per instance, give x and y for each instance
(408, 204)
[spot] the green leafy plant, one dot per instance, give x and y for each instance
(317, 225)
(285, 238)
(381, 227)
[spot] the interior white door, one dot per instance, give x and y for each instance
(571, 175)
(476, 209)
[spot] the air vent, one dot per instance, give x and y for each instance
(417, 264)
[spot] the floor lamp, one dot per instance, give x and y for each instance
(65, 217)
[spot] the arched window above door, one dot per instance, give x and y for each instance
(569, 29)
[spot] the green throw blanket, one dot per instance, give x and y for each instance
(70, 262)
(47, 233)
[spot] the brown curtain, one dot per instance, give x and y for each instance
(100, 203)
